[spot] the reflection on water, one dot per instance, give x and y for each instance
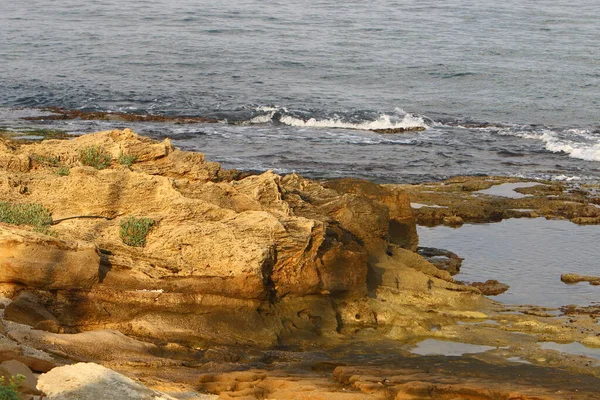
(430, 347)
(572, 348)
(527, 254)
(508, 189)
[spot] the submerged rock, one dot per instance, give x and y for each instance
(400, 130)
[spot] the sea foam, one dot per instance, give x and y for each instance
(398, 119)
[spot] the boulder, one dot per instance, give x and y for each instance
(13, 368)
(35, 359)
(89, 381)
(27, 309)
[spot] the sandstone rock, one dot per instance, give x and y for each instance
(576, 278)
(27, 309)
(43, 262)
(14, 163)
(491, 287)
(102, 345)
(232, 259)
(35, 359)
(88, 381)
(453, 220)
(12, 368)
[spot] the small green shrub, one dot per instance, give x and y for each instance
(8, 391)
(46, 160)
(134, 230)
(63, 170)
(95, 156)
(31, 214)
(127, 159)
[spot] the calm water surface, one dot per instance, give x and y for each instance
(527, 254)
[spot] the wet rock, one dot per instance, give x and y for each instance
(453, 220)
(400, 130)
(59, 114)
(491, 287)
(89, 381)
(442, 259)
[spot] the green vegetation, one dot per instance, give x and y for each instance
(8, 390)
(95, 156)
(126, 159)
(134, 230)
(31, 214)
(63, 170)
(46, 160)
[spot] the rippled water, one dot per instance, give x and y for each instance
(527, 254)
(508, 88)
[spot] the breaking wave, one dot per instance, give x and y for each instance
(576, 143)
(361, 121)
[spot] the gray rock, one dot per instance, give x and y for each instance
(89, 381)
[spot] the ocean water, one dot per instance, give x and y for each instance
(507, 88)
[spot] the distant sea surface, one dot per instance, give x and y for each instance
(504, 88)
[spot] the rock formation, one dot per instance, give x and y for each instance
(255, 286)
(259, 260)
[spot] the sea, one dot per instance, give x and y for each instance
(506, 88)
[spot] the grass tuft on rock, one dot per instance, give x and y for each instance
(95, 156)
(63, 170)
(127, 159)
(31, 214)
(135, 230)
(9, 390)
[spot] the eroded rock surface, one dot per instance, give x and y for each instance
(260, 260)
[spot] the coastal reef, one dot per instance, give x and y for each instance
(477, 199)
(127, 252)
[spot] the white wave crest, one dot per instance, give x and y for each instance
(383, 122)
(576, 143)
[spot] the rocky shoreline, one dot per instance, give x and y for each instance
(264, 286)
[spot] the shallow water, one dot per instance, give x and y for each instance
(508, 189)
(572, 348)
(430, 347)
(527, 254)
